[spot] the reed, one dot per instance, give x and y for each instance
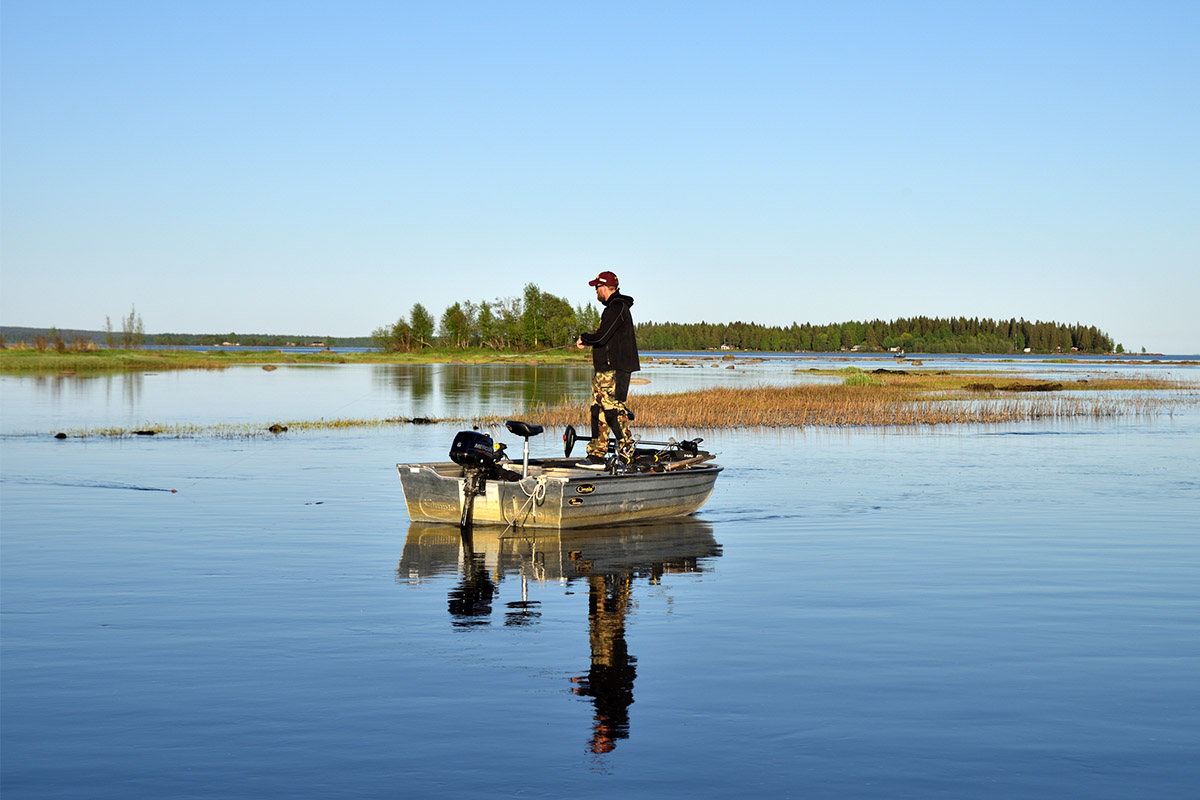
(886, 400)
(974, 381)
(848, 406)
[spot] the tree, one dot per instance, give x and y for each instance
(421, 323)
(508, 312)
(533, 324)
(381, 338)
(587, 318)
(456, 326)
(485, 324)
(561, 327)
(132, 330)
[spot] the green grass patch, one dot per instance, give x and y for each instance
(862, 379)
(29, 360)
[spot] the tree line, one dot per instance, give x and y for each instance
(536, 320)
(914, 334)
(541, 320)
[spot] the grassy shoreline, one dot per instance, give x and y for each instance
(28, 360)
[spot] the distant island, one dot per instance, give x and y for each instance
(911, 335)
(72, 337)
(539, 322)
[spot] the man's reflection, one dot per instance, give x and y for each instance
(609, 682)
(609, 560)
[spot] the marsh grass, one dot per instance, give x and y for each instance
(879, 399)
(860, 378)
(13, 359)
(25, 359)
(851, 406)
(951, 382)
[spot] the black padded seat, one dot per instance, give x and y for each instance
(523, 429)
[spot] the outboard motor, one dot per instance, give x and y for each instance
(473, 449)
(476, 453)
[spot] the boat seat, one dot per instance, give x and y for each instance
(522, 429)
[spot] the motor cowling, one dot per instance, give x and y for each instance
(473, 449)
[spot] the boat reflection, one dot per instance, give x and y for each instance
(609, 560)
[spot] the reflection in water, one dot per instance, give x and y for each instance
(609, 682)
(74, 388)
(440, 390)
(471, 600)
(609, 560)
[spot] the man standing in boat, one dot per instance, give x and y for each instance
(614, 359)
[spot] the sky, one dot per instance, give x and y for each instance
(316, 168)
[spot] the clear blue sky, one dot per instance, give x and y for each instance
(318, 167)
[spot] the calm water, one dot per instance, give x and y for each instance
(987, 612)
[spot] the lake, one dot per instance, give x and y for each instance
(991, 611)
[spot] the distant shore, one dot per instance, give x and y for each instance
(29, 360)
(14, 359)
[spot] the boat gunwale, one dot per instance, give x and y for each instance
(573, 473)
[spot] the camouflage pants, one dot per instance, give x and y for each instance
(609, 390)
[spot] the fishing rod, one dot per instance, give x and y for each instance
(536, 352)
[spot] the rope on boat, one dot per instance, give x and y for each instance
(536, 496)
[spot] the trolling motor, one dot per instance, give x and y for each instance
(570, 437)
(669, 455)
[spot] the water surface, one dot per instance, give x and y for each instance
(962, 612)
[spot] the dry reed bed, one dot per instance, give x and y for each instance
(921, 400)
(1000, 382)
(846, 406)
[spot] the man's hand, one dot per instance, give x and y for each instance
(579, 342)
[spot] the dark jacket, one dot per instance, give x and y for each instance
(614, 344)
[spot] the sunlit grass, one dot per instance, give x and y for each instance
(865, 399)
(30, 360)
(855, 405)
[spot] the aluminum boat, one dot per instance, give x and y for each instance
(479, 485)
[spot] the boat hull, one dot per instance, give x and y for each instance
(554, 496)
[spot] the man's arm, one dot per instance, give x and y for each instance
(610, 321)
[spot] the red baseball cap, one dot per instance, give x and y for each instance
(604, 279)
